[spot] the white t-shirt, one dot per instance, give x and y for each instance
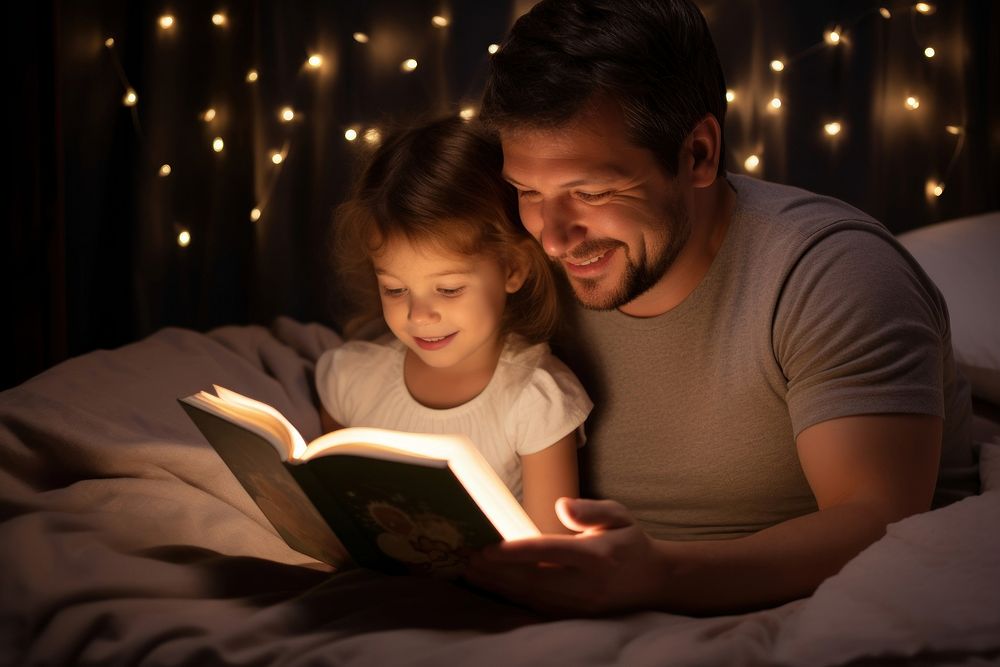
(532, 401)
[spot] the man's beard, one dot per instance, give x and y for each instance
(637, 278)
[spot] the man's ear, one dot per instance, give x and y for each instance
(705, 145)
(518, 266)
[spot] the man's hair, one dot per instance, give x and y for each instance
(439, 184)
(655, 58)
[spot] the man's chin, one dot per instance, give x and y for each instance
(592, 296)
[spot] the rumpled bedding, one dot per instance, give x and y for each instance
(126, 541)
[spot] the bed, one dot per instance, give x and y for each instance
(125, 540)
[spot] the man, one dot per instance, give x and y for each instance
(773, 376)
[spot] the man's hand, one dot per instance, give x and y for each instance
(610, 565)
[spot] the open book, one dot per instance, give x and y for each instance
(396, 502)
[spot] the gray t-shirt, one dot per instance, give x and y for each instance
(810, 311)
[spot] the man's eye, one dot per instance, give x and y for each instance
(594, 196)
(393, 291)
(451, 291)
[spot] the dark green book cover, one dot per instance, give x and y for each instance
(393, 516)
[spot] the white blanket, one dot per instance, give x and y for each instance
(125, 540)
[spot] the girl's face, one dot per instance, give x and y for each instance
(445, 307)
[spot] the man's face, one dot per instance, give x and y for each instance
(602, 208)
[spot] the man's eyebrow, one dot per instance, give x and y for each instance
(608, 174)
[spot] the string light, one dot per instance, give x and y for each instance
(351, 134)
(751, 163)
(493, 48)
(372, 135)
(934, 189)
(468, 113)
(209, 115)
(184, 238)
(287, 114)
(109, 42)
(925, 8)
(832, 129)
(953, 129)
(439, 21)
(252, 76)
(218, 144)
(166, 22)
(408, 65)
(130, 98)
(315, 61)
(277, 157)
(165, 169)
(911, 102)
(929, 52)
(777, 65)
(775, 103)
(254, 214)
(730, 95)
(219, 19)
(360, 38)
(884, 11)
(832, 37)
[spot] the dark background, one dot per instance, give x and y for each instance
(90, 253)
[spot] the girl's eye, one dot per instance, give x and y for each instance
(593, 197)
(393, 291)
(450, 291)
(527, 194)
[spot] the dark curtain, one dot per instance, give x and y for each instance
(91, 252)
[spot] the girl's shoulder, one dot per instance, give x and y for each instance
(533, 366)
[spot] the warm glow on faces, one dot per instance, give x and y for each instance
(603, 208)
(445, 307)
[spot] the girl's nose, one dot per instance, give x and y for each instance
(423, 312)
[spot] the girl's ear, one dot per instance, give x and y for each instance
(518, 267)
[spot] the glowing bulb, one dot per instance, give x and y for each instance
(911, 102)
(730, 95)
(360, 38)
(930, 52)
(775, 103)
(832, 129)
(209, 115)
(184, 239)
(832, 36)
(109, 42)
(439, 21)
(953, 129)
(315, 61)
(934, 188)
(251, 76)
(277, 157)
(924, 7)
(287, 114)
(165, 169)
(884, 11)
(493, 48)
(468, 113)
(751, 163)
(219, 19)
(777, 65)
(218, 144)
(372, 135)
(408, 65)
(254, 214)
(166, 21)
(130, 98)
(351, 134)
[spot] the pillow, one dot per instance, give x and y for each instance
(962, 257)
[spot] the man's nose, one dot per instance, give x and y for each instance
(561, 229)
(422, 311)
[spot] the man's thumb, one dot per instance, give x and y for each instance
(583, 515)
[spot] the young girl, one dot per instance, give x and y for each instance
(470, 300)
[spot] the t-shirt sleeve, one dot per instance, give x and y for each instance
(333, 373)
(551, 405)
(859, 330)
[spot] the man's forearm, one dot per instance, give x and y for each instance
(782, 563)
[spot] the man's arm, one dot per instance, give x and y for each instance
(865, 471)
